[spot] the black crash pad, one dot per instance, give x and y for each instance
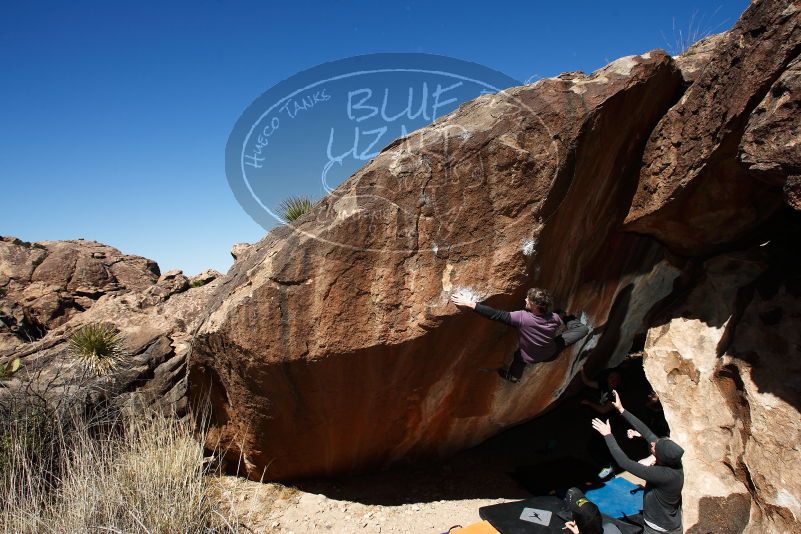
(540, 515)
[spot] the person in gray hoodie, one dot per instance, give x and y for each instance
(661, 507)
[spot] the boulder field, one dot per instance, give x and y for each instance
(656, 197)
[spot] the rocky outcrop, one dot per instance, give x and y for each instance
(693, 193)
(45, 284)
(694, 60)
(723, 352)
(239, 249)
(87, 282)
(156, 326)
(657, 197)
(332, 346)
(771, 144)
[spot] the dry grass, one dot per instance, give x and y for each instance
(138, 473)
(698, 27)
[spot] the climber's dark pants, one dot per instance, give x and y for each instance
(518, 365)
(516, 368)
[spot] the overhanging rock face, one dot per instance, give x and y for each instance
(657, 197)
(332, 346)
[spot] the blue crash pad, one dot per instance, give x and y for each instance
(615, 498)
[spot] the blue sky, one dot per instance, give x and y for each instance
(114, 116)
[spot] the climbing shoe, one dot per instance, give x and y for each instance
(606, 472)
(506, 375)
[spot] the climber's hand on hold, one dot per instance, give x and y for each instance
(462, 302)
(602, 427)
(631, 433)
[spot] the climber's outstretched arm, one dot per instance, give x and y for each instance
(496, 315)
(490, 313)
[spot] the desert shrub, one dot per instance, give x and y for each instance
(32, 446)
(198, 283)
(141, 472)
(294, 207)
(98, 347)
(150, 477)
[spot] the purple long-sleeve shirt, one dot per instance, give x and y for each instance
(536, 334)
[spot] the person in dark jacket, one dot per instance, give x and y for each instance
(537, 327)
(586, 516)
(665, 479)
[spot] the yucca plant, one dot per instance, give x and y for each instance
(98, 347)
(294, 206)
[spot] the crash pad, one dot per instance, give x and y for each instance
(541, 515)
(484, 527)
(537, 515)
(617, 497)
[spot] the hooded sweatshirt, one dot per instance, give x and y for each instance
(661, 506)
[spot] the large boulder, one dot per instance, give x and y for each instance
(693, 193)
(332, 346)
(657, 197)
(649, 196)
(726, 360)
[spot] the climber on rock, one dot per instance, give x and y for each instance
(661, 511)
(537, 328)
